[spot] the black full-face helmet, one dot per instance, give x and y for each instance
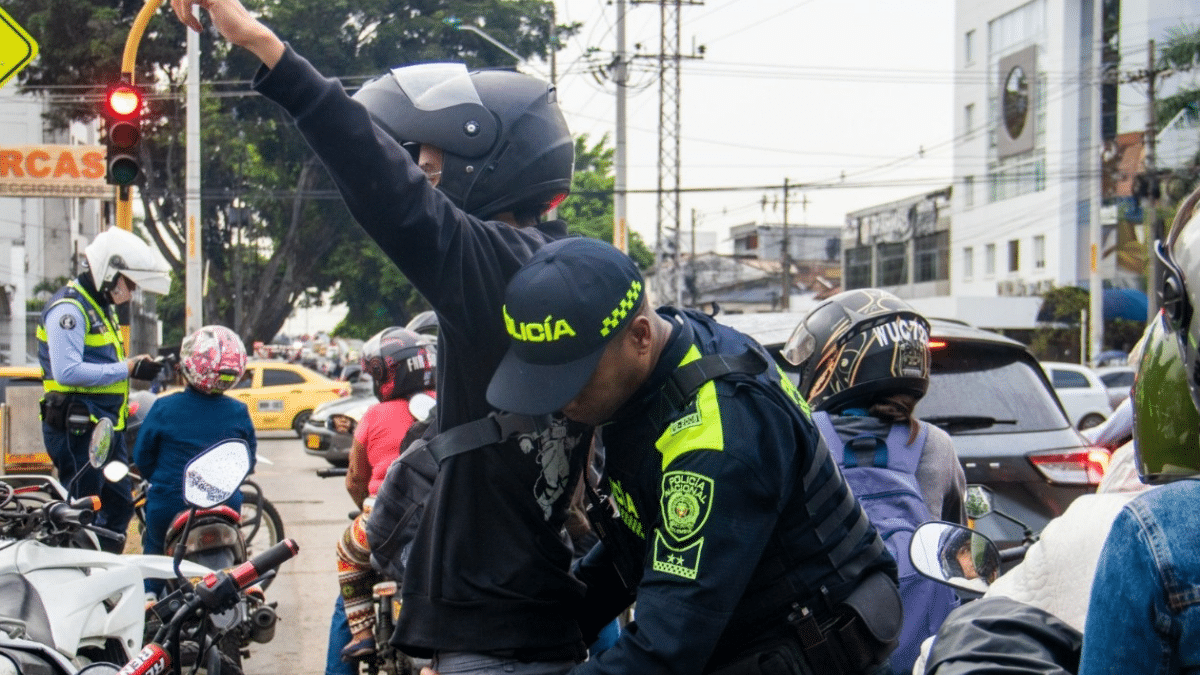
(857, 346)
(400, 363)
(506, 144)
(1166, 388)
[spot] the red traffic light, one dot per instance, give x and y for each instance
(123, 102)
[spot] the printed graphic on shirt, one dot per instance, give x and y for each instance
(627, 510)
(67, 322)
(681, 562)
(553, 446)
(686, 502)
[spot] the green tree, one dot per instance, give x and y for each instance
(589, 209)
(271, 218)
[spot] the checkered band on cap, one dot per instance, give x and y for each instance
(627, 304)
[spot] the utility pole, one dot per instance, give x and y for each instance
(1095, 106)
(620, 72)
(669, 58)
(193, 315)
(784, 259)
(1150, 221)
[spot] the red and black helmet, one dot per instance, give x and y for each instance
(400, 363)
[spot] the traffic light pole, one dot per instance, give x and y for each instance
(124, 205)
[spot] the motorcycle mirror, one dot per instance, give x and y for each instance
(214, 475)
(100, 443)
(420, 406)
(954, 555)
(978, 501)
(114, 471)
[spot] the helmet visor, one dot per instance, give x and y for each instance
(433, 87)
(1166, 425)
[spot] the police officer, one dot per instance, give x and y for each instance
(85, 373)
(733, 529)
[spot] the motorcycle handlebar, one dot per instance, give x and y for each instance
(249, 571)
(61, 513)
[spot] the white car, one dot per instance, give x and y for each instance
(1118, 380)
(1083, 395)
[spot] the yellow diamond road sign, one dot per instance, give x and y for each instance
(17, 48)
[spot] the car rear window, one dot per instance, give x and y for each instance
(1069, 379)
(970, 383)
(1120, 378)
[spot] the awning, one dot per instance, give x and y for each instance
(1125, 303)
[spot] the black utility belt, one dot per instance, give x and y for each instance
(857, 636)
(65, 412)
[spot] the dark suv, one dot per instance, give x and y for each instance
(991, 395)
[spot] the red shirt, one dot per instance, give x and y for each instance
(380, 431)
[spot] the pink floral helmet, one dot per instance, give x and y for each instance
(212, 359)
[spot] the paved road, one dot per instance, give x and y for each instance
(314, 513)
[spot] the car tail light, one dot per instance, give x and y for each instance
(342, 390)
(937, 344)
(1083, 466)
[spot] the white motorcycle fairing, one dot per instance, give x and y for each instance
(89, 596)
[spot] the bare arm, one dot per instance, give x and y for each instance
(358, 473)
(235, 24)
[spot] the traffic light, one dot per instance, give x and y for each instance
(123, 116)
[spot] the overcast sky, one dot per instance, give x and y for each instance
(808, 90)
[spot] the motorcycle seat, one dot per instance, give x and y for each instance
(20, 600)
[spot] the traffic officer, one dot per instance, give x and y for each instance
(733, 529)
(84, 370)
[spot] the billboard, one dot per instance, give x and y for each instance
(53, 171)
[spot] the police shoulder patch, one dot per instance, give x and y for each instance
(67, 322)
(686, 502)
(679, 561)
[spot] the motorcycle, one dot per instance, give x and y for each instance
(97, 612)
(214, 537)
(211, 622)
(1028, 614)
(259, 520)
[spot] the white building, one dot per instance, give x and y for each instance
(1032, 116)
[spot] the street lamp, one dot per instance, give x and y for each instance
(457, 23)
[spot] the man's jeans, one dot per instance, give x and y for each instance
(464, 663)
(1144, 612)
(339, 637)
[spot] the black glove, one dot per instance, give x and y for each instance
(146, 369)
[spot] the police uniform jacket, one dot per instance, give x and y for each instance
(717, 533)
(96, 375)
(489, 569)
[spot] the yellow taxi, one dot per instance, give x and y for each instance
(20, 424)
(282, 395)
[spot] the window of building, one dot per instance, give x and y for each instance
(858, 267)
(1014, 255)
(989, 260)
(968, 263)
(969, 47)
(969, 118)
(931, 254)
(891, 268)
(1039, 252)
(968, 191)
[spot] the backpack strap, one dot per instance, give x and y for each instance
(496, 427)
